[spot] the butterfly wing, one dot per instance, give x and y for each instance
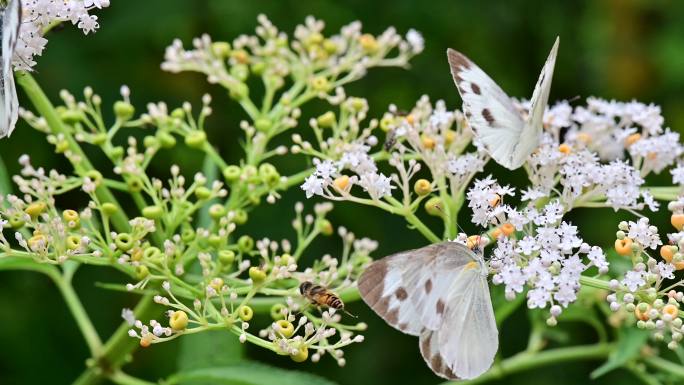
(429, 349)
(9, 105)
(409, 289)
(490, 112)
(468, 339)
(529, 138)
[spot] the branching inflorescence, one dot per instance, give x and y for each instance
(183, 247)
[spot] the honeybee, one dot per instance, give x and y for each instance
(320, 296)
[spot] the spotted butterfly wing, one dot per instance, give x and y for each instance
(9, 105)
(413, 291)
(508, 137)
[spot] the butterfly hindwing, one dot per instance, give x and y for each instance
(468, 339)
(429, 349)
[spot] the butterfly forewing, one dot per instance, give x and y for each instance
(409, 289)
(540, 96)
(9, 106)
(489, 111)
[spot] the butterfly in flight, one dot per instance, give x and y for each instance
(440, 294)
(507, 136)
(10, 13)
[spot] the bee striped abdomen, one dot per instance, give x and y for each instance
(320, 296)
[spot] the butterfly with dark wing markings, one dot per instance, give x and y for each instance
(506, 135)
(439, 293)
(9, 105)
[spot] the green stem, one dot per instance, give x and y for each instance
(665, 365)
(78, 311)
(594, 282)
(47, 110)
(524, 361)
(122, 378)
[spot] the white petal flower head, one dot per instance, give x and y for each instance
(645, 234)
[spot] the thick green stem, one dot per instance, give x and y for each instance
(122, 378)
(524, 361)
(47, 110)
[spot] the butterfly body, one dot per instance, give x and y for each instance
(439, 293)
(507, 136)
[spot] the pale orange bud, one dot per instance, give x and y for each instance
(507, 229)
(632, 139)
(564, 148)
(623, 246)
(677, 221)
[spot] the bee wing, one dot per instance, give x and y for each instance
(468, 338)
(409, 289)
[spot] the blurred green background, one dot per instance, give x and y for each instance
(623, 49)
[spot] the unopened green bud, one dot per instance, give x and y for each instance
(152, 212)
(245, 243)
(326, 120)
(232, 173)
(240, 217)
(109, 208)
(226, 257)
(202, 193)
(123, 110)
(217, 210)
(166, 140)
(433, 206)
(196, 139)
(123, 241)
(263, 124)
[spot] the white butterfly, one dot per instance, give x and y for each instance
(9, 105)
(439, 293)
(508, 137)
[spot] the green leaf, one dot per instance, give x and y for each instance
(209, 349)
(247, 373)
(629, 346)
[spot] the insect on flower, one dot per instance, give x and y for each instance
(320, 296)
(439, 293)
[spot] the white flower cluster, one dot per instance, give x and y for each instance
(547, 253)
(40, 15)
(611, 128)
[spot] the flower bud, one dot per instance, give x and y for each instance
(123, 110)
(257, 275)
(35, 209)
(71, 216)
(301, 356)
(123, 241)
(325, 227)
(434, 206)
(240, 217)
(73, 242)
(196, 139)
(326, 120)
(141, 272)
(166, 140)
(263, 124)
(95, 176)
(320, 84)
(285, 328)
(239, 91)
(245, 243)
(232, 173)
(178, 320)
(624, 246)
(245, 313)
(109, 208)
(277, 311)
(135, 184)
(422, 187)
(217, 211)
(202, 193)
(226, 257)
(368, 43)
